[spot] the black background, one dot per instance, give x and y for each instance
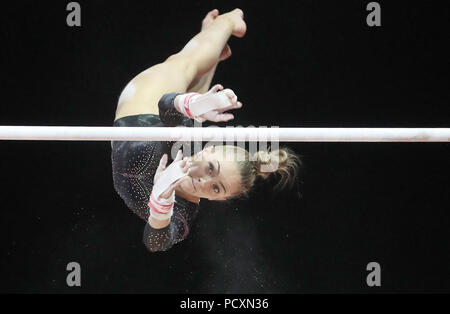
(301, 63)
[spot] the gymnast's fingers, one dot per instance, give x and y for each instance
(186, 165)
(223, 117)
(231, 96)
(238, 105)
(179, 156)
(216, 88)
(162, 165)
(163, 162)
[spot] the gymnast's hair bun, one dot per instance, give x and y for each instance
(282, 163)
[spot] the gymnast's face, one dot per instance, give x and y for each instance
(212, 177)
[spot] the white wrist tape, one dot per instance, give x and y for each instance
(161, 208)
(168, 176)
(193, 105)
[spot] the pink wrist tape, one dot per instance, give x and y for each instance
(185, 102)
(193, 105)
(160, 208)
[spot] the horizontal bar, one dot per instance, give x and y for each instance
(84, 133)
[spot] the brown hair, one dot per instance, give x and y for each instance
(282, 163)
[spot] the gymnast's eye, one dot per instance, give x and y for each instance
(211, 168)
(216, 189)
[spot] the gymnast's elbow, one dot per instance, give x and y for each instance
(155, 247)
(151, 247)
(155, 240)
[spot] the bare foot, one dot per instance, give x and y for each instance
(209, 18)
(237, 18)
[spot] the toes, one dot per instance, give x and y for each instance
(240, 30)
(240, 12)
(214, 13)
(210, 17)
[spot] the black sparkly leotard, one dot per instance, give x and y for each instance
(134, 165)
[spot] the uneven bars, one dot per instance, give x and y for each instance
(208, 134)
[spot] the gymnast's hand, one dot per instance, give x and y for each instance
(162, 167)
(211, 106)
(219, 115)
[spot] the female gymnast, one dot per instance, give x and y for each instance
(167, 94)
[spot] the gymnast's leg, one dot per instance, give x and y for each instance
(176, 74)
(202, 84)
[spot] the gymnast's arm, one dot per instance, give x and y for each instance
(170, 117)
(160, 235)
(168, 222)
